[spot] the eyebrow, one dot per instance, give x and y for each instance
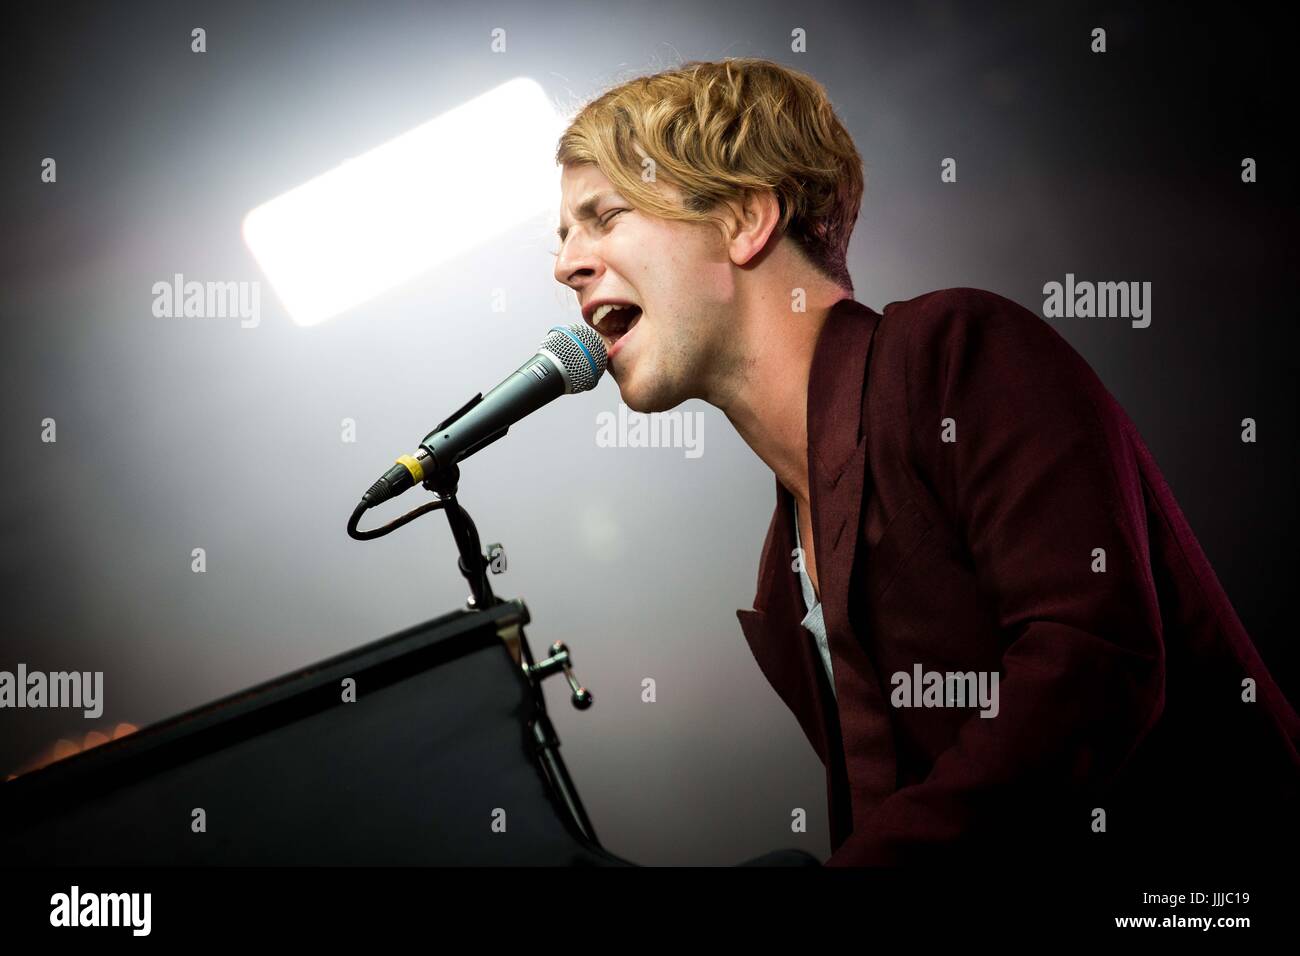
(586, 209)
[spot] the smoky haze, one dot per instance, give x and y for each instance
(175, 433)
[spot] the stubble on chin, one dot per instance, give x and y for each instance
(642, 400)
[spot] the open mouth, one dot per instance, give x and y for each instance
(617, 323)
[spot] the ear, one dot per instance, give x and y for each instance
(753, 218)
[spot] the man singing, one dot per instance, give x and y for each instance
(977, 594)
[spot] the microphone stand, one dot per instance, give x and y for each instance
(473, 565)
(471, 561)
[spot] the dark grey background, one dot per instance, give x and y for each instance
(176, 433)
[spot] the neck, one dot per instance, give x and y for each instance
(768, 401)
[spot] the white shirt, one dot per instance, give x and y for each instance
(812, 621)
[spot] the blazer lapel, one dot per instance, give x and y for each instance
(861, 774)
(838, 484)
(788, 658)
(783, 649)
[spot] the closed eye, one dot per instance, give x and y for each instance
(608, 216)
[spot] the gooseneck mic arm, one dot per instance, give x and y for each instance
(571, 359)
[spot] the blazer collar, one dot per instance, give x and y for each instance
(835, 388)
(784, 651)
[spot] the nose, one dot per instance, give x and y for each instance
(577, 265)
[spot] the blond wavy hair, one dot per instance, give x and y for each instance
(718, 130)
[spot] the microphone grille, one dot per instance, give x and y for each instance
(581, 350)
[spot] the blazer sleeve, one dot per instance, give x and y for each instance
(1037, 477)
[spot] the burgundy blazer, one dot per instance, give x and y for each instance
(1120, 691)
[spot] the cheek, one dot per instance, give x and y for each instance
(709, 266)
(674, 270)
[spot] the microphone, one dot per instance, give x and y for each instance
(571, 359)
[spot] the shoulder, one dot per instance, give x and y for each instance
(955, 333)
(947, 315)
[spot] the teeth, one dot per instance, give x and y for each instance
(605, 310)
